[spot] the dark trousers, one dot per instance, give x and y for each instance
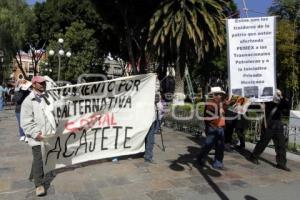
(229, 129)
(37, 171)
(241, 136)
(214, 137)
(279, 141)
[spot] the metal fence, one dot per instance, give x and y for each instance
(189, 123)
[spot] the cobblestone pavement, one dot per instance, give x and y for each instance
(175, 176)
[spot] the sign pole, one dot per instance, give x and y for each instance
(245, 9)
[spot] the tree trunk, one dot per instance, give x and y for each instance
(19, 63)
(179, 95)
(179, 80)
(129, 41)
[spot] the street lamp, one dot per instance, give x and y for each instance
(61, 53)
(46, 69)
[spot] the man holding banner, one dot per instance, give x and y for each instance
(34, 125)
(273, 129)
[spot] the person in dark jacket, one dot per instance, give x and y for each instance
(21, 92)
(273, 129)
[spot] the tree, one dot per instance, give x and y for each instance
(287, 72)
(15, 20)
(83, 31)
(129, 21)
(79, 40)
(55, 16)
(288, 46)
(183, 30)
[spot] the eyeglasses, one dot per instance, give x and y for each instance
(218, 94)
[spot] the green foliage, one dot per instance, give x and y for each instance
(185, 110)
(288, 46)
(55, 16)
(285, 9)
(182, 31)
(80, 41)
(287, 66)
(193, 25)
(293, 147)
(15, 21)
(129, 22)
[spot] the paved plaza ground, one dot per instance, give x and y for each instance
(175, 176)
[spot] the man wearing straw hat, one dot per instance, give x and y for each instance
(214, 128)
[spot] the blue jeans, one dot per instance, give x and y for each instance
(214, 137)
(150, 140)
(21, 132)
(1, 103)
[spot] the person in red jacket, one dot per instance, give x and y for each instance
(214, 128)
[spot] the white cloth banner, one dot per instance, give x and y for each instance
(294, 126)
(98, 120)
(251, 57)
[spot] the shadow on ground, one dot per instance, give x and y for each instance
(206, 171)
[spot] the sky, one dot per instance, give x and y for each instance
(31, 2)
(257, 8)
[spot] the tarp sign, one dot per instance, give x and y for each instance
(294, 126)
(98, 120)
(251, 57)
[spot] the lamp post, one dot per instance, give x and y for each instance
(60, 53)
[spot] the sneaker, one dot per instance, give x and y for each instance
(115, 160)
(218, 165)
(150, 161)
(253, 159)
(40, 191)
(22, 138)
(26, 139)
(283, 167)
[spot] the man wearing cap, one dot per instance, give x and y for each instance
(273, 129)
(35, 125)
(214, 128)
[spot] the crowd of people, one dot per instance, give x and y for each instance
(6, 95)
(220, 124)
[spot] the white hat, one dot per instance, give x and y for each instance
(214, 90)
(25, 85)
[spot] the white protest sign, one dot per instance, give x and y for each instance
(98, 120)
(251, 57)
(294, 126)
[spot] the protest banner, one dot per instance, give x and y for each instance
(251, 57)
(97, 120)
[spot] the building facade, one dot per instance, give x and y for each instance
(27, 65)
